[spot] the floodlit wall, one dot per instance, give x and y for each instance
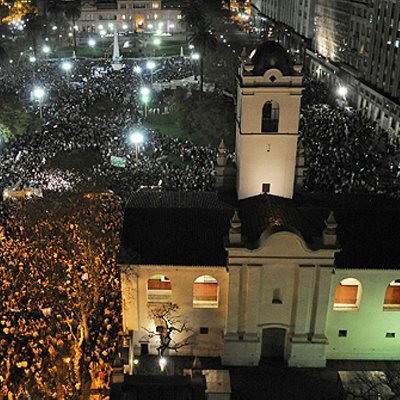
(368, 332)
(136, 311)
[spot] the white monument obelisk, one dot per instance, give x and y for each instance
(116, 58)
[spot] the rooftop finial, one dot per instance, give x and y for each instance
(235, 232)
(329, 237)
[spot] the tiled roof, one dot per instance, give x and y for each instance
(174, 228)
(266, 212)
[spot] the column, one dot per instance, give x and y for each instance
(322, 302)
(253, 301)
(306, 283)
(232, 322)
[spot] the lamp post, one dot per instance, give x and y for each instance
(38, 94)
(156, 43)
(342, 92)
(145, 92)
(46, 51)
(162, 363)
(67, 67)
(137, 139)
(195, 58)
(32, 60)
(150, 65)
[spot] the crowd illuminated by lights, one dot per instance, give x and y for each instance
(17, 11)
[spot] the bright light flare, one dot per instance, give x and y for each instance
(38, 93)
(145, 91)
(342, 91)
(150, 65)
(66, 66)
(136, 138)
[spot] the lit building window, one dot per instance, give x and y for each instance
(155, 5)
(347, 295)
(159, 289)
(205, 292)
(392, 296)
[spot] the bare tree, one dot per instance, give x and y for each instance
(169, 324)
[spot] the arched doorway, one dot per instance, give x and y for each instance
(273, 343)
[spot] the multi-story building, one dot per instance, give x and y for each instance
(292, 21)
(130, 16)
(352, 43)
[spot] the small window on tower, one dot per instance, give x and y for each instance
(266, 187)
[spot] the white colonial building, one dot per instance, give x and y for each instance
(129, 16)
(259, 276)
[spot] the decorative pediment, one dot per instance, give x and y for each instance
(283, 244)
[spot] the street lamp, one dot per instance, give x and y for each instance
(137, 69)
(32, 59)
(67, 66)
(137, 139)
(195, 57)
(38, 94)
(145, 92)
(91, 42)
(150, 65)
(157, 41)
(46, 51)
(342, 91)
(163, 363)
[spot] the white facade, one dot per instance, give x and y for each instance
(267, 158)
(129, 16)
(372, 330)
(282, 288)
(136, 306)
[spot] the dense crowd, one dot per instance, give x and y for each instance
(70, 126)
(60, 306)
(344, 153)
(60, 301)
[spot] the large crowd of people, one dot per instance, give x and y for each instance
(60, 302)
(344, 152)
(60, 307)
(60, 298)
(68, 126)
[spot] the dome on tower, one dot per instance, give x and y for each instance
(270, 55)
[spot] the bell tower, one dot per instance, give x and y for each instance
(267, 122)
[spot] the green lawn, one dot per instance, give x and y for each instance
(14, 119)
(166, 124)
(81, 52)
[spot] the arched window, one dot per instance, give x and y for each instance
(159, 289)
(347, 295)
(270, 117)
(205, 292)
(392, 296)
